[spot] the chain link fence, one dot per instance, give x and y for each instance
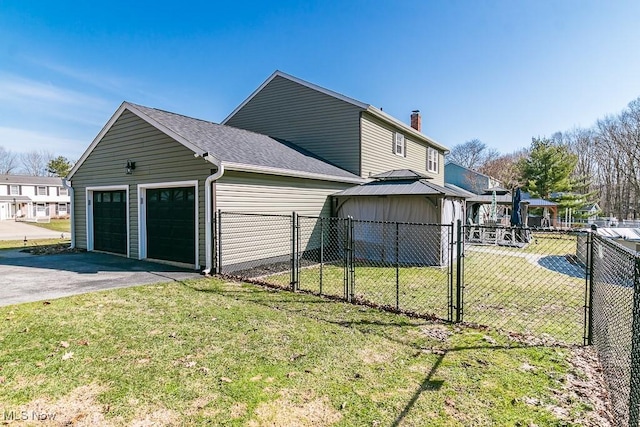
(615, 320)
(566, 287)
(526, 282)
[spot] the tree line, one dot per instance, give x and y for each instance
(574, 168)
(34, 163)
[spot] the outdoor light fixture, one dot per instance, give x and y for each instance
(130, 167)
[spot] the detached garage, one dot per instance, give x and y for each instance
(148, 184)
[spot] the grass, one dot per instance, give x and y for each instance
(17, 244)
(521, 290)
(216, 353)
(61, 225)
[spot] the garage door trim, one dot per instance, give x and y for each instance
(142, 215)
(89, 205)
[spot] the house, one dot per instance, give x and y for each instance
(350, 134)
(485, 192)
(31, 198)
(589, 212)
(468, 179)
(148, 185)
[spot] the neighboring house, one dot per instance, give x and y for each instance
(31, 198)
(589, 212)
(148, 184)
(485, 190)
(468, 179)
(350, 134)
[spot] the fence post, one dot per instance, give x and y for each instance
(352, 272)
(219, 240)
(321, 251)
(294, 254)
(588, 306)
(459, 256)
(452, 250)
(346, 243)
(634, 381)
(397, 265)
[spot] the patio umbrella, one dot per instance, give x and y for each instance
(493, 213)
(516, 216)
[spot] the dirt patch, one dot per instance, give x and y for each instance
(370, 356)
(436, 332)
(302, 411)
(585, 383)
(78, 408)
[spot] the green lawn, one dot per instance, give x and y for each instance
(520, 290)
(61, 225)
(15, 244)
(209, 352)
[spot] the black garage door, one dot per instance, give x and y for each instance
(110, 221)
(171, 224)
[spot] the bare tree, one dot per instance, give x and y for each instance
(472, 154)
(35, 162)
(505, 168)
(8, 161)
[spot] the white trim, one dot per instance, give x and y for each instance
(312, 86)
(142, 215)
(399, 141)
(290, 173)
(89, 212)
(433, 158)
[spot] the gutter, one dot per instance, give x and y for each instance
(67, 184)
(208, 211)
(240, 167)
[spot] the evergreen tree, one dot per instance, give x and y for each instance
(60, 166)
(547, 173)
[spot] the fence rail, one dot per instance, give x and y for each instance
(562, 286)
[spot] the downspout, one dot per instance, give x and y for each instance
(67, 184)
(208, 211)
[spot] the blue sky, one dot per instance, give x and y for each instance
(499, 71)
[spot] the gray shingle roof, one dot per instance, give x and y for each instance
(400, 174)
(420, 187)
(235, 145)
(33, 180)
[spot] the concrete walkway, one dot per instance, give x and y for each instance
(13, 230)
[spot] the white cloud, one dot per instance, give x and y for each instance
(20, 90)
(23, 140)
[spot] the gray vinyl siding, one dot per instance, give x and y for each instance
(158, 158)
(268, 237)
(378, 155)
(322, 124)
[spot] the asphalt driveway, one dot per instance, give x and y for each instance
(26, 278)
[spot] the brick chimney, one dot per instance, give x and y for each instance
(416, 120)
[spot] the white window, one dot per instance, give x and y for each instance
(63, 191)
(40, 208)
(14, 190)
(398, 144)
(42, 191)
(432, 160)
(62, 208)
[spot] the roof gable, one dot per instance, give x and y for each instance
(233, 148)
(361, 105)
